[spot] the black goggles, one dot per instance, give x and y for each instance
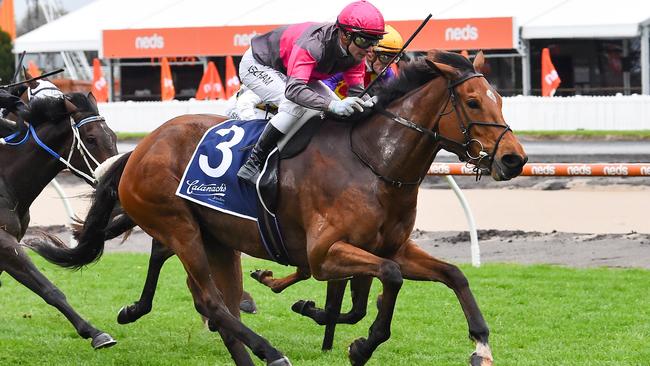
(385, 57)
(363, 41)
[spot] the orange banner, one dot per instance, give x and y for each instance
(210, 86)
(232, 81)
(100, 86)
(167, 90)
(449, 34)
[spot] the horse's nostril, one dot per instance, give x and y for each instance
(513, 160)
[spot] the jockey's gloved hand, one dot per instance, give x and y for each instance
(346, 107)
(370, 102)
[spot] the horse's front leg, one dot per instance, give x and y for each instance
(278, 285)
(343, 260)
(18, 265)
(416, 264)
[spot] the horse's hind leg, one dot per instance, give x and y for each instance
(225, 265)
(133, 312)
(15, 261)
(416, 264)
(277, 285)
(175, 223)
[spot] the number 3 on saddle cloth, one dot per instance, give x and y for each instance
(210, 179)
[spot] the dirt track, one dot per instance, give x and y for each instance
(579, 223)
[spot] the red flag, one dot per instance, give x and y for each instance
(167, 91)
(210, 86)
(550, 78)
(33, 70)
(232, 81)
(100, 86)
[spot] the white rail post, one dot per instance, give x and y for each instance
(473, 235)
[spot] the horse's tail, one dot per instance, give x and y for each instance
(93, 234)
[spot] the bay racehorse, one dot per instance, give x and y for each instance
(62, 132)
(347, 202)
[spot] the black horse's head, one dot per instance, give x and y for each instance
(74, 130)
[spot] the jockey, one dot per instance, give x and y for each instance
(376, 60)
(11, 103)
(284, 67)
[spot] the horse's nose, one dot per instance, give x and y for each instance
(513, 162)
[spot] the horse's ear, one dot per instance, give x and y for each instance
(479, 62)
(91, 98)
(32, 84)
(69, 106)
(449, 72)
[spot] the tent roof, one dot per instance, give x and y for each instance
(82, 29)
(589, 19)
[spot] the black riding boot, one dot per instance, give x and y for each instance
(250, 171)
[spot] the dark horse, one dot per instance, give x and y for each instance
(347, 203)
(62, 132)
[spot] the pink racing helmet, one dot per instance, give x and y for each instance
(361, 17)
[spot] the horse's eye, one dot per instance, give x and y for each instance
(91, 140)
(473, 103)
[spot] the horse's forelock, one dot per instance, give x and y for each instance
(47, 109)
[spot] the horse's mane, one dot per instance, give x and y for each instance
(53, 109)
(419, 72)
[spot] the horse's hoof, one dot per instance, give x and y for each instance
(123, 316)
(300, 306)
(103, 340)
(259, 274)
(284, 361)
(248, 306)
(356, 354)
(476, 360)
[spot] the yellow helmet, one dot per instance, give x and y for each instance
(392, 41)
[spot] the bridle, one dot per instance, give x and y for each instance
(77, 144)
(483, 157)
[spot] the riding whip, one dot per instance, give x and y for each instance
(397, 55)
(34, 78)
(18, 66)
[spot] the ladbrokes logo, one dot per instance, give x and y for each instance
(243, 40)
(153, 41)
(466, 33)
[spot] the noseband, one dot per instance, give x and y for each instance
(465, 128)
(77, 143)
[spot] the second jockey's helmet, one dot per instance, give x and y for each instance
(361, 17)
(392, 41)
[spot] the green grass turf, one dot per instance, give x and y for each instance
(538, 315)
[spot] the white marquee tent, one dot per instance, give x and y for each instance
(81, 30)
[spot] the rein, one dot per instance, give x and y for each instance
(77, 144)
(437, 137)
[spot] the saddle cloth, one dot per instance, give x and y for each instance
(210, 178)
